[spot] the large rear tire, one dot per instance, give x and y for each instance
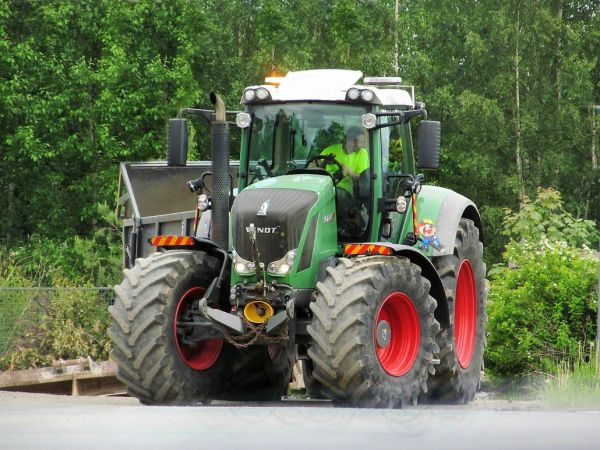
(373, 332)
(457, 377)
(153, 359)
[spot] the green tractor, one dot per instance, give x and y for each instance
(331, 251)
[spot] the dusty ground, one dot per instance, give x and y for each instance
(483, 401)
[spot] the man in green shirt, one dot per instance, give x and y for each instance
(352, 155)
(354, 158)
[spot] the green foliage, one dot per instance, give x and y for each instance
(66, 325)
(38, 326)
(543, 299)
(74, 261)
(542, 304)
(86, 85)
(546, 218)
(575, 382)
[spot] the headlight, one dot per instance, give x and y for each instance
(367, 95)
(262, 94)
(401, 204)
(282, 266)
(242, 120)
(249, 94)
(241, 265)
(353, 93)
(369, 120)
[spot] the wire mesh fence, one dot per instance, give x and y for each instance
(32, 318)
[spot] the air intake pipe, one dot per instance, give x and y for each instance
(221, 182)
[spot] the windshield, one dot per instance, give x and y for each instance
(321, 137)
(285, 137)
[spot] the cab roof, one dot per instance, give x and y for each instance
(332, 85)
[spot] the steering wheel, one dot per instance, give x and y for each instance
(329, 159)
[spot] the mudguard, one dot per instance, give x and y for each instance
(439, 213)
(454, 208)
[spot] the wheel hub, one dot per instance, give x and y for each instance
(384, 334)
(397, 334)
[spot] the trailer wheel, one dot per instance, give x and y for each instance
(458, 375)
(153, 358)
(373, 332)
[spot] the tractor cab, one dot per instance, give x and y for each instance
(322, 122)
(326, 139)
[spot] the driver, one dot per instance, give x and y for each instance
(352, 155)
(354, 159)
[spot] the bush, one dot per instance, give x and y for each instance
(76, 261)
(542, 304)
(63, 324)
(39, 326)
(543, 299)
(545, 217)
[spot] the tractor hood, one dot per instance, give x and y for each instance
(279, 208)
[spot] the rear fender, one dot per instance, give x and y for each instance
(455, 207)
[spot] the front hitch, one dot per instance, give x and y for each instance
(233, 325)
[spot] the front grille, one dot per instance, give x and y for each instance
(279, 230)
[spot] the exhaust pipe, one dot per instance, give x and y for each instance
(219, 107)
(219, 130)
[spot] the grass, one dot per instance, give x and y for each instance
(576, 382)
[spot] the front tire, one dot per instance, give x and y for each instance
(457, 377)
(153, 359)
(373, 332)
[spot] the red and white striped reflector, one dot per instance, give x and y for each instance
(366, 249)
(172, 241)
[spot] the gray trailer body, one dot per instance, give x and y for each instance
(155, 200)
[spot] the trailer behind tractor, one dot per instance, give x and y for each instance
(374, 280)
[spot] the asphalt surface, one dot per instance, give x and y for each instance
(48, 422)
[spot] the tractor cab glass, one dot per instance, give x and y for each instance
(325, 138)
(397, 160)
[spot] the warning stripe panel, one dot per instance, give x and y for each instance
(172, 241)
(366, 249)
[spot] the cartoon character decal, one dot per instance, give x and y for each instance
(426, 235)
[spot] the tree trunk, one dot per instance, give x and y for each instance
(559, 14)
(396, 56)
(593, 149)
(518, 114)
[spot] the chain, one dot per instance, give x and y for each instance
(255, 332)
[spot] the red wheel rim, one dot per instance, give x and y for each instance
(465, 314)
(207, 352)
(398, 314)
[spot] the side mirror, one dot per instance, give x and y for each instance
(429, 144)
(177, 146)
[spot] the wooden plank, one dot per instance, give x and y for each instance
(73, 377)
